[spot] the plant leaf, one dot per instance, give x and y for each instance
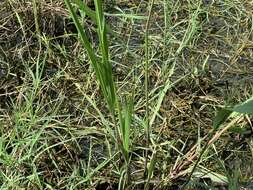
(238, 130)
(103, 69)
(126, 123)
(245, 108)
(221, 117)
(214, 177)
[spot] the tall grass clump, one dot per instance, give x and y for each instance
(102, 67)
(121, 113)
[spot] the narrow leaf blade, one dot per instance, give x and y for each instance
(245, 108)
(221, 117)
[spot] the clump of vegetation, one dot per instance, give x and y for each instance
(126, 94)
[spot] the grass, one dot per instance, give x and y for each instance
(126, 95)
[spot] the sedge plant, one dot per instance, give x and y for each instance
(121, 113)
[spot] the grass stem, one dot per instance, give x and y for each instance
(146, 86)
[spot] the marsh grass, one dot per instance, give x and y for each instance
(121, 114)
(103, 68)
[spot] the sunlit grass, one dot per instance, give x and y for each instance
(121, 114)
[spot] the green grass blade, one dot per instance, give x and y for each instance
(129, 16)
(245, 108)
(128, 114)
(85, 41)
(221, 117)
(93, 172)
(146, 85)
(92, 14)
(223, 114)
(83, 36)
(163, 93)
(103, 70)
(151, 169)
(87, 10)
(109, 87)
